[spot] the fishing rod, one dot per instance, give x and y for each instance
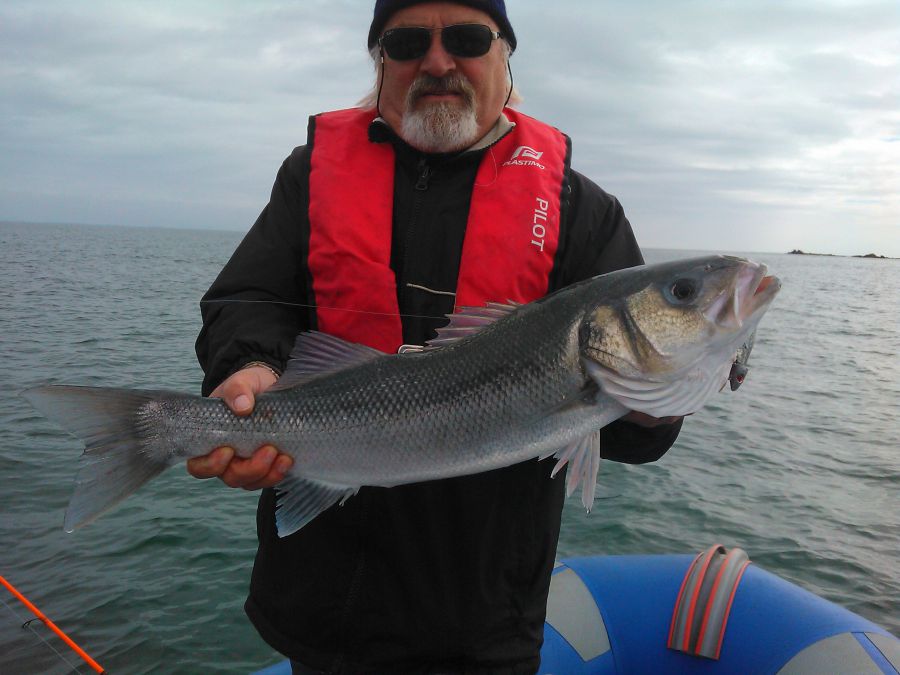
(52, 626)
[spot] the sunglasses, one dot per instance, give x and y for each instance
(468, 40)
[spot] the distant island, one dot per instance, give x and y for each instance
(797, 251)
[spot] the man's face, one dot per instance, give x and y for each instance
(441, 102)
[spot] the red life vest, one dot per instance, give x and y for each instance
(511, 237)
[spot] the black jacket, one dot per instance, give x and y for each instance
(451, 575)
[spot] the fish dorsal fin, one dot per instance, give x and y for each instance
(316, 354)
(470, 320)
(299, 500)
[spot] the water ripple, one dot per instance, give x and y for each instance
(799, 467)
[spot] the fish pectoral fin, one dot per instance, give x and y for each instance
(299, 500)
(583, 458)
(661, 398)
(315, 354)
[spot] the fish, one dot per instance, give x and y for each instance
(499, 385)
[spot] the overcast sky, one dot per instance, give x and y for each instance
(741, 125)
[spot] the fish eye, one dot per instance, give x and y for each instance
(683, 290)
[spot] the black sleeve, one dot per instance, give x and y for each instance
(597, 239)
(268, 268)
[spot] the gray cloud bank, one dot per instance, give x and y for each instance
(730, 125)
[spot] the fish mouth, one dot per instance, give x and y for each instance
(765, 286)
(750, 293)
(765, 282)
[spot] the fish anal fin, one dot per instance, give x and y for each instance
(299, 500)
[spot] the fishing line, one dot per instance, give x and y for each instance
(49, 624)
(27, 624)
(334, 309)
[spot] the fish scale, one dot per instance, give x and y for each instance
(441, 417)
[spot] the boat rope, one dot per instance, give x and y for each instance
(52, 626)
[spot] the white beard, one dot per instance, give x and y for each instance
(440, 127)
(444, 126)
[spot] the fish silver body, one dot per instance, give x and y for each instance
(414, 417)
(499, 385)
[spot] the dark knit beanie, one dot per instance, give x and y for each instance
(496, 9)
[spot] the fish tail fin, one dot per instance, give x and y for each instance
(119, 456)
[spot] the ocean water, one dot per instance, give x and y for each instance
(800, 467)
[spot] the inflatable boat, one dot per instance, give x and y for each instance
(710, 613)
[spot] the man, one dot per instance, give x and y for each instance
(435, 196)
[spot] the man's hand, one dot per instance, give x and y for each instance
(645, 420)
(267, 466)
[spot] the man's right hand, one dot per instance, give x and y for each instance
(266, 467)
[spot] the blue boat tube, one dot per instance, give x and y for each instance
(613, 615)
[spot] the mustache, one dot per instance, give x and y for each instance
(454, 83)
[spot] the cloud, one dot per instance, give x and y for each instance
(735, 125)
(192, 104)
(748, 123)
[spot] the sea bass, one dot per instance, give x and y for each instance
(499, 385)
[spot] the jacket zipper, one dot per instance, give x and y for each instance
(420, 187)
(424, 175)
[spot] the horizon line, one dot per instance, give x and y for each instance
(237, 230)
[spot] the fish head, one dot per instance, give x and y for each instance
(664, 337)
